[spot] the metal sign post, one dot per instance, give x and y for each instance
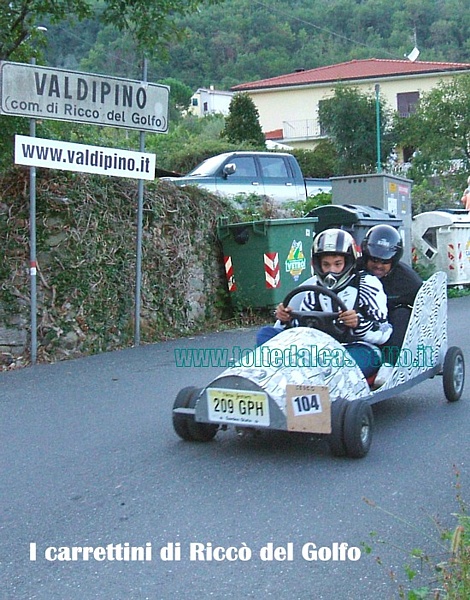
(32, 248)
(140, 213)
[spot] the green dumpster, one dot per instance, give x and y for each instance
(264, 260)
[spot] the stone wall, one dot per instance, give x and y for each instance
(86, 263)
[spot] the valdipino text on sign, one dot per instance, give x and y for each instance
(45, 93)
(67, 156)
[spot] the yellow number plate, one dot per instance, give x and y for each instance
(238, 407)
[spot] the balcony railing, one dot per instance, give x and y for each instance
(303, 129)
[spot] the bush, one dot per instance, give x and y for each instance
(436, 194)
(320, 162)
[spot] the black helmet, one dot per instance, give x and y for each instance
(384, 242)
(334, 241)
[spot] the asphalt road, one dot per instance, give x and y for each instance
(89, 459)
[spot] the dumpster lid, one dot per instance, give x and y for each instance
(224, 222)
(354, 213)
(441, 218)
(224, 228)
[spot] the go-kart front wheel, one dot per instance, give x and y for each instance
(351, 428)
(184, 424)
(336, 437)
(358, 427)
(453, 374)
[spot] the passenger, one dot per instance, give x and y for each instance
(466, 196)
(382, 249)
(334, 262)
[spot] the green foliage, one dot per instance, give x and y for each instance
(242, 123)
(180, 95)
(247, 42)
(436, 193)
(255, 207)
(10, 126)
(320, 162)
(301, 208)
(19, 20)
(187, 158)
(71, 41)
(349, 118)
(439, 130)
(127, 58)
(147, 22)
(446, 571)
(190, 141)
(86, 259)
(251, 41)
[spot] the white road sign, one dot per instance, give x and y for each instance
(67, 156)
(44, 93)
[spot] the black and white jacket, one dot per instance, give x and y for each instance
(365, 294)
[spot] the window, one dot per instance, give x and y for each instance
(406, 103)
(273, 167)
(245, 166)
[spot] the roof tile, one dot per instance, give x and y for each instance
(373, 68)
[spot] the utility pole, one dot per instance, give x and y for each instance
(377, 119)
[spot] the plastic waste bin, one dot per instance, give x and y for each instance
(441, 242)
(264, 260)
(357, 220)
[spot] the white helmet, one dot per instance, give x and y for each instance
(334, 241)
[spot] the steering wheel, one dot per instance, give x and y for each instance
(318, 319)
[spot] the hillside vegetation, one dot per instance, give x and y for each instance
(236, 41)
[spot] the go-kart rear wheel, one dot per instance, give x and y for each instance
(358, 428)
(336, 439)
(180, 421)
(453, 374)
(185, 425)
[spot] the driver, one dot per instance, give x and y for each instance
(334, 258)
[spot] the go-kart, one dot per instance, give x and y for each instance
(303, 380)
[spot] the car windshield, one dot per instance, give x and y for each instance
(208, 167)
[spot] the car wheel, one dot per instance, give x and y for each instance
(453, 374)
(336, 439)
(185, 425)
(358, 428)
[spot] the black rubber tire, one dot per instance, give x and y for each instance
(185, 425)
(453, 374)
(180, 421)
(200, 432)
(336, 439)
(358, 428)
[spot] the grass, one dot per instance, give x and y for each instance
(446, 571)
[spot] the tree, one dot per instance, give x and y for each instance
(242, 123)
(149, 21)
(349, 119)
(320, 162)
(439, 130)
(19, 20)
(180, 96)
